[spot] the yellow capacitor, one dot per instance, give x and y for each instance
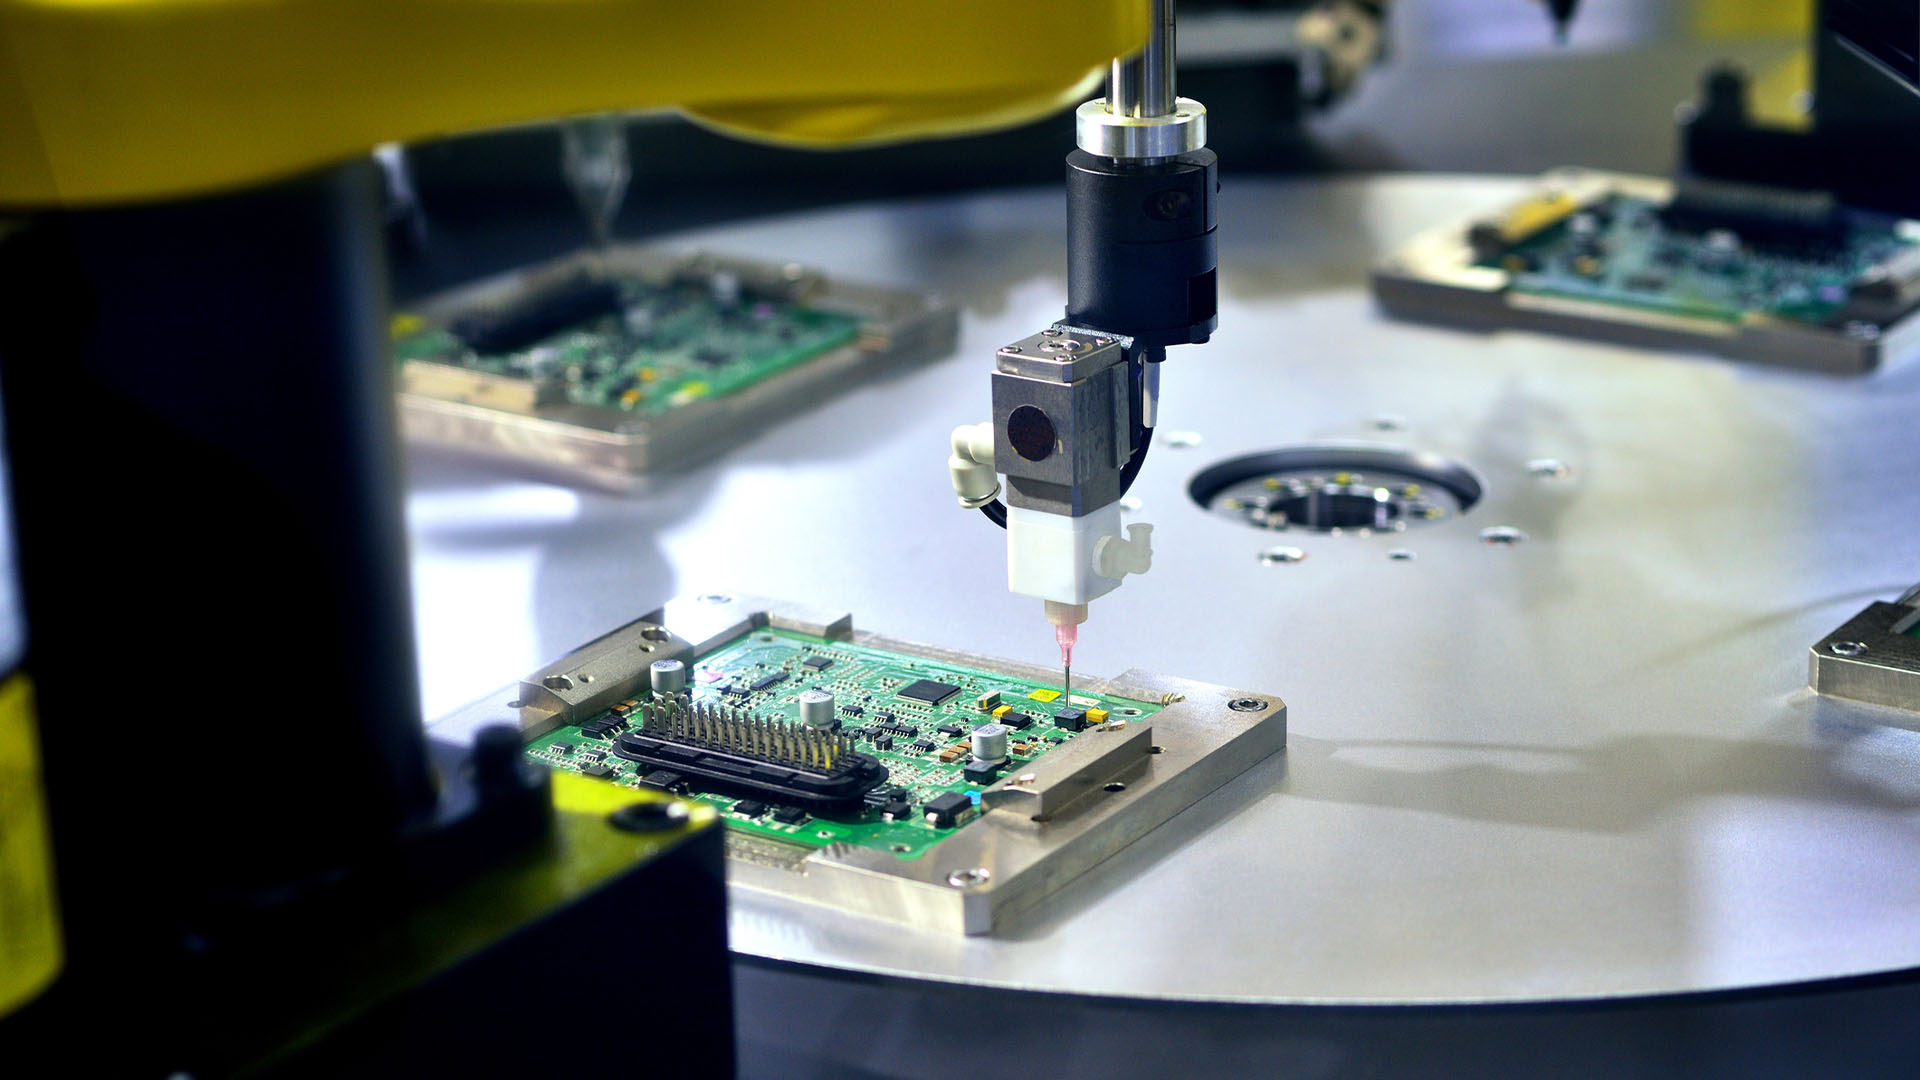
(1096, 716)
(1522, 221)
(1002, 711)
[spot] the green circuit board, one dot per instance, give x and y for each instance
(1619, 250)
(632, 345)
(867, 685)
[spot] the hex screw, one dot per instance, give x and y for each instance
(1246, 704)
(1847, 648)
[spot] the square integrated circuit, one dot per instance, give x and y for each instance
(927, 691)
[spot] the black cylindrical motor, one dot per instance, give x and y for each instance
(1141, 259)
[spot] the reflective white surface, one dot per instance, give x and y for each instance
(1584, 765)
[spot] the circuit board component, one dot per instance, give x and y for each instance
(724, 749)
(1780, 276)
(611, 364)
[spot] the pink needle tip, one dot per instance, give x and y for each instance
(1066, 635)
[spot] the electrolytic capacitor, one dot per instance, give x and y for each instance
(668, 676)
(990, 742)
(816, 708)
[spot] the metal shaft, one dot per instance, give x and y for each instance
(1142, 84)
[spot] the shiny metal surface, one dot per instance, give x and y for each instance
(1581, 765)
(1143, 84)
(1099, 130)
(1871, 658)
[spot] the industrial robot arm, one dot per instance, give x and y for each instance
(1074, 405)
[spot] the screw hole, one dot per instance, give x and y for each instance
(557, 682)
(1116, 786)
(1156, 749)
(1847, 648)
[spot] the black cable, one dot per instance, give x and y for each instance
(1139, 457)
(996, 512)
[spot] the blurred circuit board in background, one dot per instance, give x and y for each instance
(611, 365)
(1777, 276)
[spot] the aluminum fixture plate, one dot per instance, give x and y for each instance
(1870, 659)
(476, 412)
(1433, 278)
(1038, 829)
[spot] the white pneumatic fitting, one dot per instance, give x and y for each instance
(1114, 557)
(974, 481)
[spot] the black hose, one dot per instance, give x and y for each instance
(1139, 457)
(996, 512)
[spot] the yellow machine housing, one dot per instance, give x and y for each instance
(107, 101)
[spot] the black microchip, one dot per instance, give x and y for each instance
(945, 808)
(883, 742)
(818, 663)
(883, 717)
(981, 772)
(933, 693)
(750, 807)
(598, 770)
(896, 810)
(790, 815)
(1070, 719)
(593, 755)
(852, 710)
(921, 747)
(561, 748)
(664, 779)
(712, 357)
(951, 729)
(739, 691)
(1018, 721)
(765, 681)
